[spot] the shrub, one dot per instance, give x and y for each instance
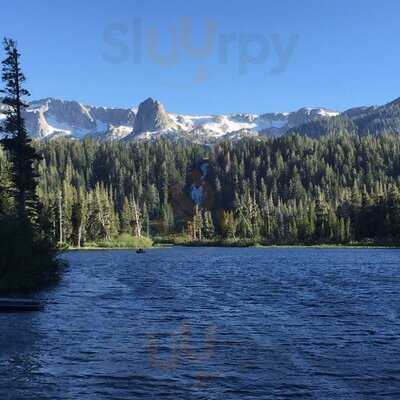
(125, 241)
(27, 261)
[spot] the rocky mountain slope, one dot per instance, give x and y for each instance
(362, 121)
(50, 118)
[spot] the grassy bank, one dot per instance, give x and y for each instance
(131, 242)
(123, 241)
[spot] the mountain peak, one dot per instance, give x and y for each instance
(150, 100)
(151, 116)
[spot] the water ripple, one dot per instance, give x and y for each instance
(211, 324)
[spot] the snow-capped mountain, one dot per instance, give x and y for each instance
(50, 118)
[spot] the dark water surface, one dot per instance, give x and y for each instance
(211, 323)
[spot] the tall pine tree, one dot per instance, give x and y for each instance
(21, 152)
(27, 256)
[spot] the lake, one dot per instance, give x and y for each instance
(211, 323)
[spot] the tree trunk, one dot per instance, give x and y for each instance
(137, 219)
(60, 216)
(79, 236)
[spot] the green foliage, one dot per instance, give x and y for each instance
(123, 241)
(285, 190)
(17, 143)
(28, 259)
(289, 190)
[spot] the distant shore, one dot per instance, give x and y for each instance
(156, 246)
(183, 241)
(314, 245)
(239, 244)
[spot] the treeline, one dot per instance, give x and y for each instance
(337, 189)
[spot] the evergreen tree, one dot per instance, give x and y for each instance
(22, 154)
(208, 225)
(27, 256)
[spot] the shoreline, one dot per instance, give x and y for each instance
(89, 248)
(255, 246)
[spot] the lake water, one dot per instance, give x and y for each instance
(211, 323)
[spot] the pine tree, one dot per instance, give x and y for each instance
(137, 217)
(197, 224)
(22, 154)
(228, 225)
(126, 217)
(79, 218)
(167, 215)
(393, 213)
(322, 220)
(27, 254)
(208, 225)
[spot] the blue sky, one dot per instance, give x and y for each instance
(257, 56)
